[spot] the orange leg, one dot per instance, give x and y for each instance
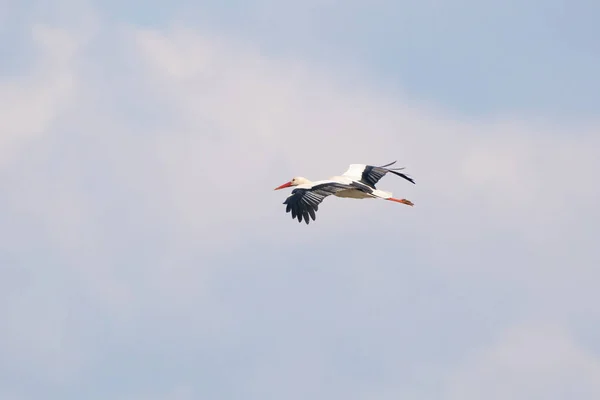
(403, 201)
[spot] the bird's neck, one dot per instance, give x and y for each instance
(305, 181)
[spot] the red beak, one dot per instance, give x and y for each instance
(285, 185)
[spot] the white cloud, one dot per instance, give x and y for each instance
(529, 362)
(29, 105)
(36, 326)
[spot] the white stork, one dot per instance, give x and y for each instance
(358, 182)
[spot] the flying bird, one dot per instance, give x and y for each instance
(358, 182)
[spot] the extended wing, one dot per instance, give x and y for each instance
(304, 202)
(370, 175)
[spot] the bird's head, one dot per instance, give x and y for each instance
(294, 182)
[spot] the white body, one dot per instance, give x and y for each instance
(347, 180)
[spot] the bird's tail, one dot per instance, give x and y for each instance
(382, 194)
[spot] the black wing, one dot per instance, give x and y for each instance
(304, 203)
(371, 175)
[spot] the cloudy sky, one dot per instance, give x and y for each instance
(145, 255)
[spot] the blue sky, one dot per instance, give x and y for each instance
(470, 56)
(144, 254)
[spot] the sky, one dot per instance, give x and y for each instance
(145, 256)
